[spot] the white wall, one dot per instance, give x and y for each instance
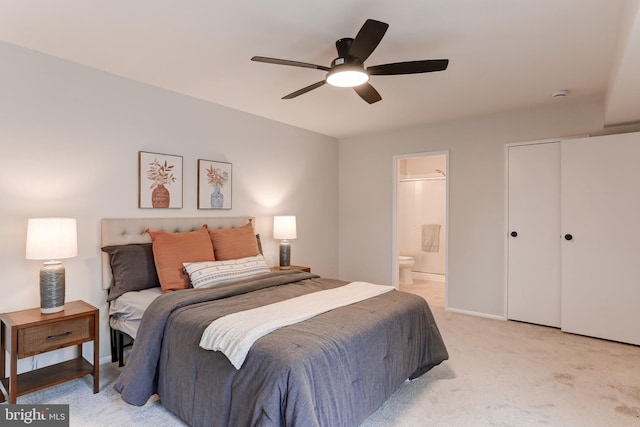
(475, 277)
(69, 142)
(422, 202)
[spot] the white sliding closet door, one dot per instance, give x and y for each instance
(533, 275)
(600, 182)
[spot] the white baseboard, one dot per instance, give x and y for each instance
(419, 275)
(476, 314)
(106, 359)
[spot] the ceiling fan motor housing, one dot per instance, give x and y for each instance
(343, 46)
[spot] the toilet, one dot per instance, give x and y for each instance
(405, 264)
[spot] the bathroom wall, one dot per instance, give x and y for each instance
(422, 200)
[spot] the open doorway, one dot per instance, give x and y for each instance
(420, 224)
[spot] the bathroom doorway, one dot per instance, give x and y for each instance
(421, 205)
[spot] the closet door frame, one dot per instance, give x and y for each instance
(600, 207)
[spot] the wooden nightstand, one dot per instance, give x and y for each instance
(293, 267)
(33, 333)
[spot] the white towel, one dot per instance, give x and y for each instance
(430, 237)
(235, 333)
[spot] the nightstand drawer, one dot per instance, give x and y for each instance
(39, 339)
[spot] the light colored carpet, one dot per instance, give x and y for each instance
(499, 374)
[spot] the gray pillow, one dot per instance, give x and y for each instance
(259, 244)
(133, 268)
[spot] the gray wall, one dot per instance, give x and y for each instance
(69, 142)
(475, 277)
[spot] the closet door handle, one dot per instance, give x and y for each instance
(568, 237)
(514, 234)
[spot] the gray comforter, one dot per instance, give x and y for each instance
(332, 370)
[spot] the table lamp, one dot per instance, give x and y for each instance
(284, 228)
(51, 239)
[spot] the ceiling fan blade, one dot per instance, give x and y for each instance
(368, 93)
(304, 90)
(291, 63)
(367, 39)
(410, 67)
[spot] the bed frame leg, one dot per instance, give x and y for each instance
(120, 346)
(117, 347)
(114, 353)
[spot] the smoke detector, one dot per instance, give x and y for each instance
(560, 93)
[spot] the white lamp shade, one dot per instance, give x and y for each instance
(51, 238)
(284, 227)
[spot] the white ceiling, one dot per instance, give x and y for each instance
(503, 54)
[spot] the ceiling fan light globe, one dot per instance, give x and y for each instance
(347, 78)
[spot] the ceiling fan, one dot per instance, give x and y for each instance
(348, 69)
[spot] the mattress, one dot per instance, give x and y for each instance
(125, 312)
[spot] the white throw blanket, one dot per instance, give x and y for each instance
(234, 334)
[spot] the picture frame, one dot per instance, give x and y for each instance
(214, 184)
(159, 181)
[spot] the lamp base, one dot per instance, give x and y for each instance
(51, 287)
(285, 255)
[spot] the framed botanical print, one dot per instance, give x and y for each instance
(214, 184)
(159, 180)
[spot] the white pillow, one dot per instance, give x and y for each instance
(211, 273)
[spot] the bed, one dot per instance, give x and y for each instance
(333, 369)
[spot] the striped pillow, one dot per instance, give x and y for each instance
(212, 273)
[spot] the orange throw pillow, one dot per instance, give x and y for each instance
(170, 250)
(234, 243)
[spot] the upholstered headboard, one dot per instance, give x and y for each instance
(122, 231)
